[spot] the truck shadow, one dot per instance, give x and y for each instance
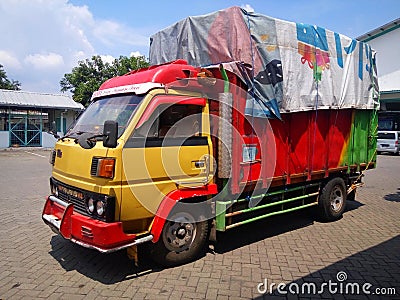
(352, 205)
(359, 276)
(105, 268)
(269, 227)
(116, 267)
(260, 230)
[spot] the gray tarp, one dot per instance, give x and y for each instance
(291, 66)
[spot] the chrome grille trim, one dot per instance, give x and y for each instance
(78, 197)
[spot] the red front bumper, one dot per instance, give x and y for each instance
(85, 231)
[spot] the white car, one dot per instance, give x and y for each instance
(388, 141)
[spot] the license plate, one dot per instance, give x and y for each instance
(384, 145)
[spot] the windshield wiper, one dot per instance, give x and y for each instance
(87, 140)
(70, 135)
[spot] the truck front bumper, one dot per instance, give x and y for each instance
(85, 231)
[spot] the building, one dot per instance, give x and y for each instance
(385, 40)
(26, 118)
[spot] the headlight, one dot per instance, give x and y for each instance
(100, 208)
(90, 205)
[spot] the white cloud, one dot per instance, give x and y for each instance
(9, 61)
(52, 36)
(135, 54)
(107, 58)
(247, 7)
(45, 61)
(78, 55)
(110, 32)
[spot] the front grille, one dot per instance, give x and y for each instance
(79, 204)
(93, 168)
(79, 197)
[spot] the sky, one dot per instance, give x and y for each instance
(41, 40)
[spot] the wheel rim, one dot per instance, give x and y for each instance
(179, 232)
(337, 199)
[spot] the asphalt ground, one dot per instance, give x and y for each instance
(281, 257)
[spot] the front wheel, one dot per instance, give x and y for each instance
(182, 240)
(332, 200)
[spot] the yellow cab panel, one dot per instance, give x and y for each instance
(167, 150)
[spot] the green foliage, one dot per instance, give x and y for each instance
(8, 84)
(90, 74)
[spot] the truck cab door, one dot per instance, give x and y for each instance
(169, 149)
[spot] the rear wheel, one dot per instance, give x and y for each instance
(182, 240)
(332, 200)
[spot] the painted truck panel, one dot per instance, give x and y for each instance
(300, 103)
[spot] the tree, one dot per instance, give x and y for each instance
(90, 74)
(6, 83)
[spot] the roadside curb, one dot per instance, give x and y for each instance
(17, 149)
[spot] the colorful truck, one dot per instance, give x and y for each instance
(240, 117)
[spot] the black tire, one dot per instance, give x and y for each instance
(332, 200)
(182, 240)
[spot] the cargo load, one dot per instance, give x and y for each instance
(289, 66)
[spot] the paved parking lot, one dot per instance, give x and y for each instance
(292, 253)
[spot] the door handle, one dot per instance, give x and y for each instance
(199, 164)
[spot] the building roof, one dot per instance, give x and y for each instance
(380, 31)
(22, 99)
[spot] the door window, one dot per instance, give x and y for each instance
(170, 125)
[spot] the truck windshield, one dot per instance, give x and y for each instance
(119, 108)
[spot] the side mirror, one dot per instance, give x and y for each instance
(110, 134)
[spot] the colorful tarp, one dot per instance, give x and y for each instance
(287, 66)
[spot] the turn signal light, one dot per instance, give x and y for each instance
(105, 167)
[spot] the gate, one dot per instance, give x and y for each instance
(25, 130)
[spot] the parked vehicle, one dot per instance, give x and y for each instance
(173, 153)
(388, 141)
